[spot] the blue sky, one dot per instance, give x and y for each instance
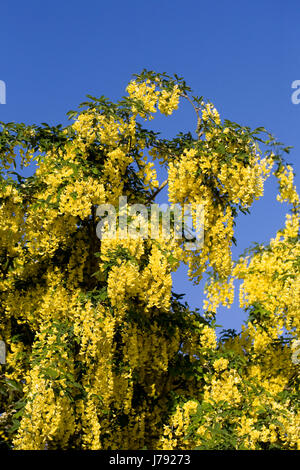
(243, 56)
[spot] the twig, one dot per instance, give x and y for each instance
(158, 190)
(198, 131)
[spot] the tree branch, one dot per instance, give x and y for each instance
(198, 131)
(158, 190)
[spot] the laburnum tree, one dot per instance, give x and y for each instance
(100, 352)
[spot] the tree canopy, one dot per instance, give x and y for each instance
(100, 352)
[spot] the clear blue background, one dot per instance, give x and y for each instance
(243, 56)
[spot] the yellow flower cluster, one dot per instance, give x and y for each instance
(210, 112)
(176, 431)
(224, 388)
(288, 192)
(272, 279)
(220, 364)
(149, 97)
(201, 176)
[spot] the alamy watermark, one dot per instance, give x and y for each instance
(2, 352)
(296, 352)
(296, 94)
(184, 223)
(2, 92)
